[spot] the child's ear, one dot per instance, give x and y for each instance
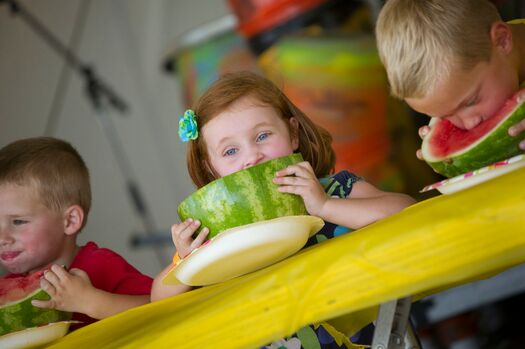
(73, 219)
(501, 36)
(294, 133)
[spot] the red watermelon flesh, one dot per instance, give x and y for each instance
(16, 311)
(16, 288)
(452, 151)
(450, 139)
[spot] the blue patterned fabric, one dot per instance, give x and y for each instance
(338, 185)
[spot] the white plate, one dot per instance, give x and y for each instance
(242, 250)
(470, 179)
(34, 336)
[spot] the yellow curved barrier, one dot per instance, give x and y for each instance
(438, 242)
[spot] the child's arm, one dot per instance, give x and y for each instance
(160, 291)
(182, 235)
(366, 204)
(73, 291)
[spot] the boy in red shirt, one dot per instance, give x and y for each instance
(45, 197)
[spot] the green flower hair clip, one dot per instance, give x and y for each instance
(188, 126)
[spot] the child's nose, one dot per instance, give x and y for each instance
(253, 158)
(467, 119)
(472, 121)
(5, 237)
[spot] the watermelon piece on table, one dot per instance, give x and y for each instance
(243, 197)
(17, 312)
(452, 151)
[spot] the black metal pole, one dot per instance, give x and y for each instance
(100, 94)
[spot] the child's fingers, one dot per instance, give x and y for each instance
(303, 176)
(516, 129)
(51, 277)
(190, 230)
(521, 96)
(50, 304)
(177, 228)
(288, 171)
(306, 165)
(185, 229)
(293, 189)
(48, 287)
(200, 238)
(80, 273)
(303, 169)
(301, 190)
(419, 154)
(423, 131)
(59, 272)
(295, 181)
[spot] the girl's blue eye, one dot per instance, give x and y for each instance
(230, 152)
(18, 222)
(262, 136)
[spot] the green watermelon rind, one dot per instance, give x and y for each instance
(494, 147)
(21, 314)
(225, 203)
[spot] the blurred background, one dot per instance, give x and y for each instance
(112, 77)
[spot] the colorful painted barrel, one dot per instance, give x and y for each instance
(207, 52)
(339, 82)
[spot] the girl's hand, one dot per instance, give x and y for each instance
(182, 235)
(305, 184)
(69, 291)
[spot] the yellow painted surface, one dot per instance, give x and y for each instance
(442, 241)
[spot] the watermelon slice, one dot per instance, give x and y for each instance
(452, 151)
(243, 197)
(17, 312)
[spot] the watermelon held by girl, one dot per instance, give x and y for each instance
(16, 311)
(244, 197)
(452, 151)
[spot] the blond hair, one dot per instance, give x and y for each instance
(51, 166)
(314, 141)
(421, 41)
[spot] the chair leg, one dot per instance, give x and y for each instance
(393, 327)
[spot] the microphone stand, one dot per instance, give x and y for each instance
(102, 98)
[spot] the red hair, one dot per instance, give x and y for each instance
(314, 141)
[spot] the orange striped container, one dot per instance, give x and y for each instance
(340, 83)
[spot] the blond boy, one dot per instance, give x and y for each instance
(452, 59)
(45, 197)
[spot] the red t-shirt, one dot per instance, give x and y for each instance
(110, 272)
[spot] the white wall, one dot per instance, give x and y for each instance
(126, 41)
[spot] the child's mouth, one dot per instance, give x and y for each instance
(9, 256)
